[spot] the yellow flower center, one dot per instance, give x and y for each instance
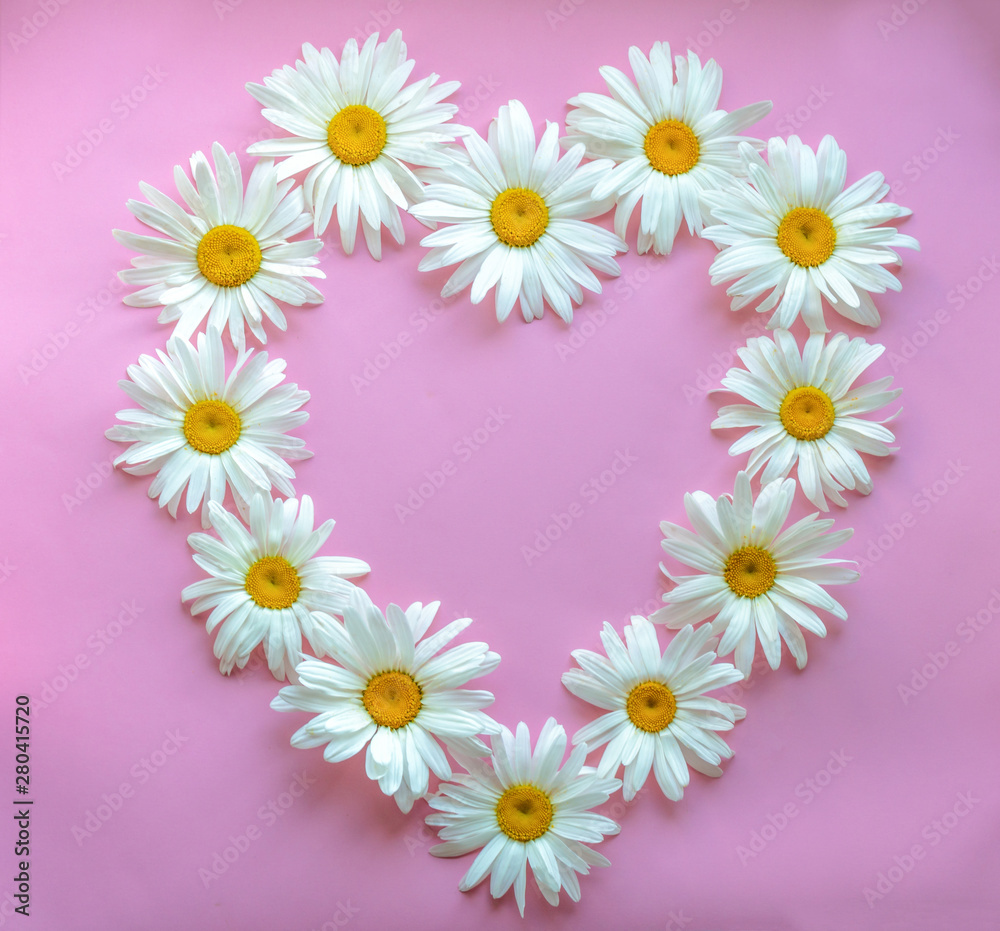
(519, 216)
(356, 135)
(228, 256)
(672, 147)
(806, 235)
(651, 706)
(392, 699)
(807, 413)
(750, 571)
(524, 812)
(272, 582)
(211, 426)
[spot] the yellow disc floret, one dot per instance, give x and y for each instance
(672, 147)
(272, 582)
(228, 256)
(356, 135)
(651, 706)
(807, 236)
(807, 413)
(519, 216)
(524, 812)
(750, 571)
(392, 699)
(211, 426)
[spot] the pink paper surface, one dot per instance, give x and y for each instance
(166, 795)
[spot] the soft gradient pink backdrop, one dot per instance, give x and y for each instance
(119, 681)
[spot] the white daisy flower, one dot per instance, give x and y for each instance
(355, 128)
(515, 215)
(668, 140)
(229, 258)
(755, 580)
(794, 230)
(395, 692)
(267, 584)
(658, 714)
(804, 408)
(525, 811)
(199, 429)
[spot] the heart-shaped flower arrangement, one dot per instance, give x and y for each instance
(513, 216)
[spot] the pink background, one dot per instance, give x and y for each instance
(633, 383)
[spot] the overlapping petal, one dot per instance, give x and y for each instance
(271, 211)
(303, 100)
(741, 529)
(367, 644)
(554, 268)
(747, 216)
(314, 587)
(618, 127)
(466, 815)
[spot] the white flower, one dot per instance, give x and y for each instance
(754, 579)
(515, 215)
(794, 230)
(198, 429)
(228, 258)
(668, 139)
(396, 692)
(657, 713)
(804, 408)
(525, 811)
(354, 126)
(267, 585)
